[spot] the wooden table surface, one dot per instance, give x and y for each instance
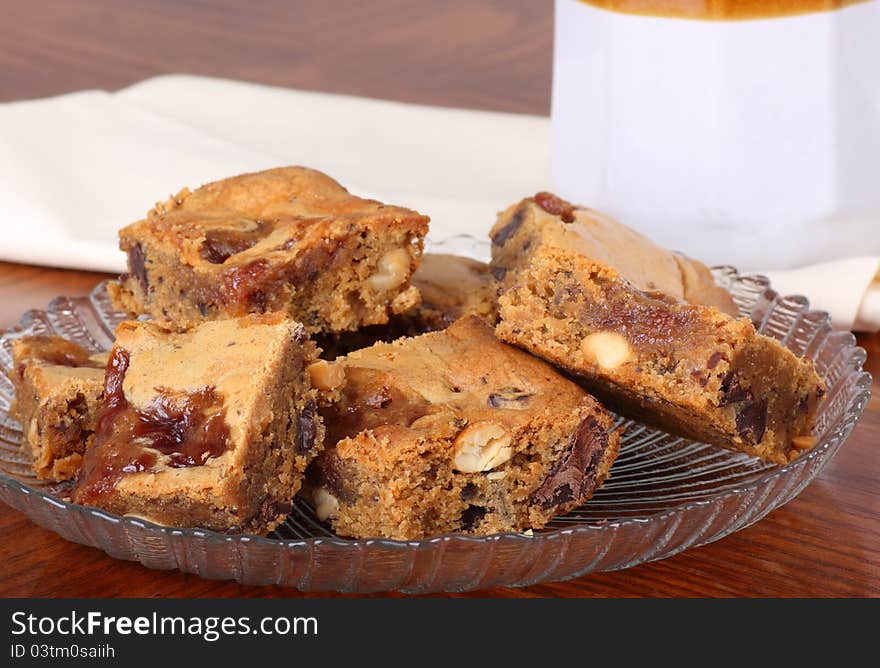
(471, 53)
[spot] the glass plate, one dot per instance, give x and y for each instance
(665, 493)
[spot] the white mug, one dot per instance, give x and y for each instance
(753, 142)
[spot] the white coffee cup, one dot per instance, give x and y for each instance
(749, 142)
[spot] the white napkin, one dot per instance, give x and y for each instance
(76, 168)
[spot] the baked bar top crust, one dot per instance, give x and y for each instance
(456, 431)
(688, 369)
(279, 211)
(453, 286)
(58, 387)
(43, 351)
(289, 239)
(547, 221)
(210, 426)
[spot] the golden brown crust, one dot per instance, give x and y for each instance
(244, 383)
(289, 239)
(455, 431)
(58, 386)
(690, 370)
(700, 287)
(546, 221)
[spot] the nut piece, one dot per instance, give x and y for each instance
(393, 268)
(481, 447)
(609, 349)
(803, 442)
(326, 505)
(325, 376)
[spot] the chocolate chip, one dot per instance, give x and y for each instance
(258, 300)
(137, 265)
(220, 245)
(751, 421)
(509, 397)
(472, 516)
(699, 377)
(306, 428)
(469, 491)
(498, 273)
(217, 251)
(714, 358)
(574, 478)
(336, 475)
(731, 391)
(803, 404)
(503, 235)
(561, 494)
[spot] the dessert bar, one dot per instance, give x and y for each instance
(690, 370)
(58, 387)
(289, 239)
(547, 221)
(454, 431)
(209, 427)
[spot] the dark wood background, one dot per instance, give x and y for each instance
(471, 53)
